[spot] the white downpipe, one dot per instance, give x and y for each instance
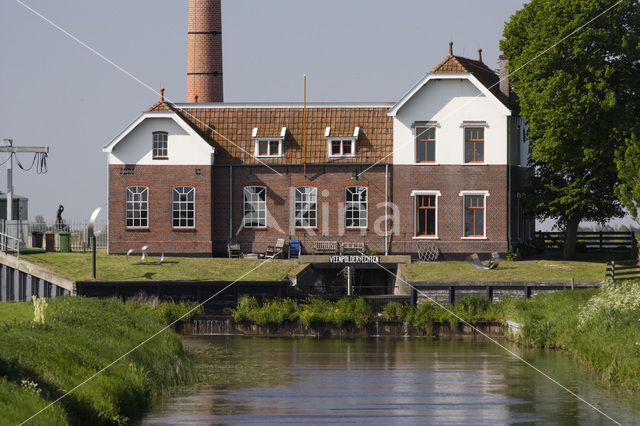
(386, 209)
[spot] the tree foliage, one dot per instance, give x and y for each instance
(576, 88)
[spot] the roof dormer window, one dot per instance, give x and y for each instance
(341, 146)
(160, 149)
(269, 147)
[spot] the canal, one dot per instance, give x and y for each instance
(383, 381)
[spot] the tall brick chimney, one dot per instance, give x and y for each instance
(504, 75)
(204, 62)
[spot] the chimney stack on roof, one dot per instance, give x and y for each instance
(204, 61)
(479, 55)
(504, 75)
(162, 94)
(450, 48)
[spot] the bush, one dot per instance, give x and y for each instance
(245, 308)
(169, 312)
(513, 255)
(395, 311)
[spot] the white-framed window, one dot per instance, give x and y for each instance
(425, 214)
(160, 150)
(342, 148)
(306, 207)
(255, 207)
(266, 148)
(426, 144)
(356, 206)
(183, 207)
(474, 217)
(137, 207)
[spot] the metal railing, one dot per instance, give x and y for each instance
(6, 241)
(597, 241)
(78, 239)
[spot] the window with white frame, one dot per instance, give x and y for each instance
(474, 217)
(356, 206)
(268, 148)
(306, 207)
(425, 214)
(255, 207)
(342, 147)
(137, 207)
(160, 146)
(183, 207)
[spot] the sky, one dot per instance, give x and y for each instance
(55, 92)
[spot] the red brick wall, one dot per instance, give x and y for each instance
(204, 51)
(330, 181)
(450, 180)
(160, 180)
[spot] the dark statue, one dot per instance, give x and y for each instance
(60, 225)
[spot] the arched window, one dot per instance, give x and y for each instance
(255, 207)
(356, 206)
(183, 207)
(137, 207)
(306, 207)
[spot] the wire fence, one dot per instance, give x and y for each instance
(31, 234)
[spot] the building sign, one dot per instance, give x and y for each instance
(354, 259)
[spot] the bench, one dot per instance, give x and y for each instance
(352, 248)
(326, 247)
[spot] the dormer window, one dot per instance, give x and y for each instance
(341, 146)
(269, 147)
(160, 149)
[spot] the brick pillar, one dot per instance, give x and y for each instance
(204, 61)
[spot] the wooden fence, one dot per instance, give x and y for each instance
(594, 241)
(623, 270)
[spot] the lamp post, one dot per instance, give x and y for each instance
(92, 236)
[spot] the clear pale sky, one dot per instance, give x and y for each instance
(55, 92)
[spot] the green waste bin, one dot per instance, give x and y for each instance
(65, 247)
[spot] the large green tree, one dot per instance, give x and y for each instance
(577, 95)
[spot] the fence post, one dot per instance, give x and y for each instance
(613, 270)
(452, 295)
(600, 240)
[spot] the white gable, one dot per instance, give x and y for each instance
(452, 76)
(134, 144)
(449, 104)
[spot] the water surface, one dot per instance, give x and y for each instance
(258, 380)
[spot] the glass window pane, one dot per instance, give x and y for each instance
(421, 154)
(431, 151)
(431, 221)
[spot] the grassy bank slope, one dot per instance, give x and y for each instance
(38, 363)
(78, 267)
(531, 270)
(598, 327)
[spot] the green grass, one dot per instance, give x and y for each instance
(590, 269)
(39, 363)
(78, 267)
(598, 327)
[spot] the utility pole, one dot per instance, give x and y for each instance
(12, 150)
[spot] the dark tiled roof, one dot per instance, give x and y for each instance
(233, 126)
(484, 74)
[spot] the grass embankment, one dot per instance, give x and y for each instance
(600, 328)
(40, 362)
(589, 268)
(78, 267)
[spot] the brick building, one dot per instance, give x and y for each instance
(444, 165)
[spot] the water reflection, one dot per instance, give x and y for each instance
(403, 381)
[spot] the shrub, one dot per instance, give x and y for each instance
(244, 309)
(395, 311)
(169, 312)
(422, 317)
(513, 254)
